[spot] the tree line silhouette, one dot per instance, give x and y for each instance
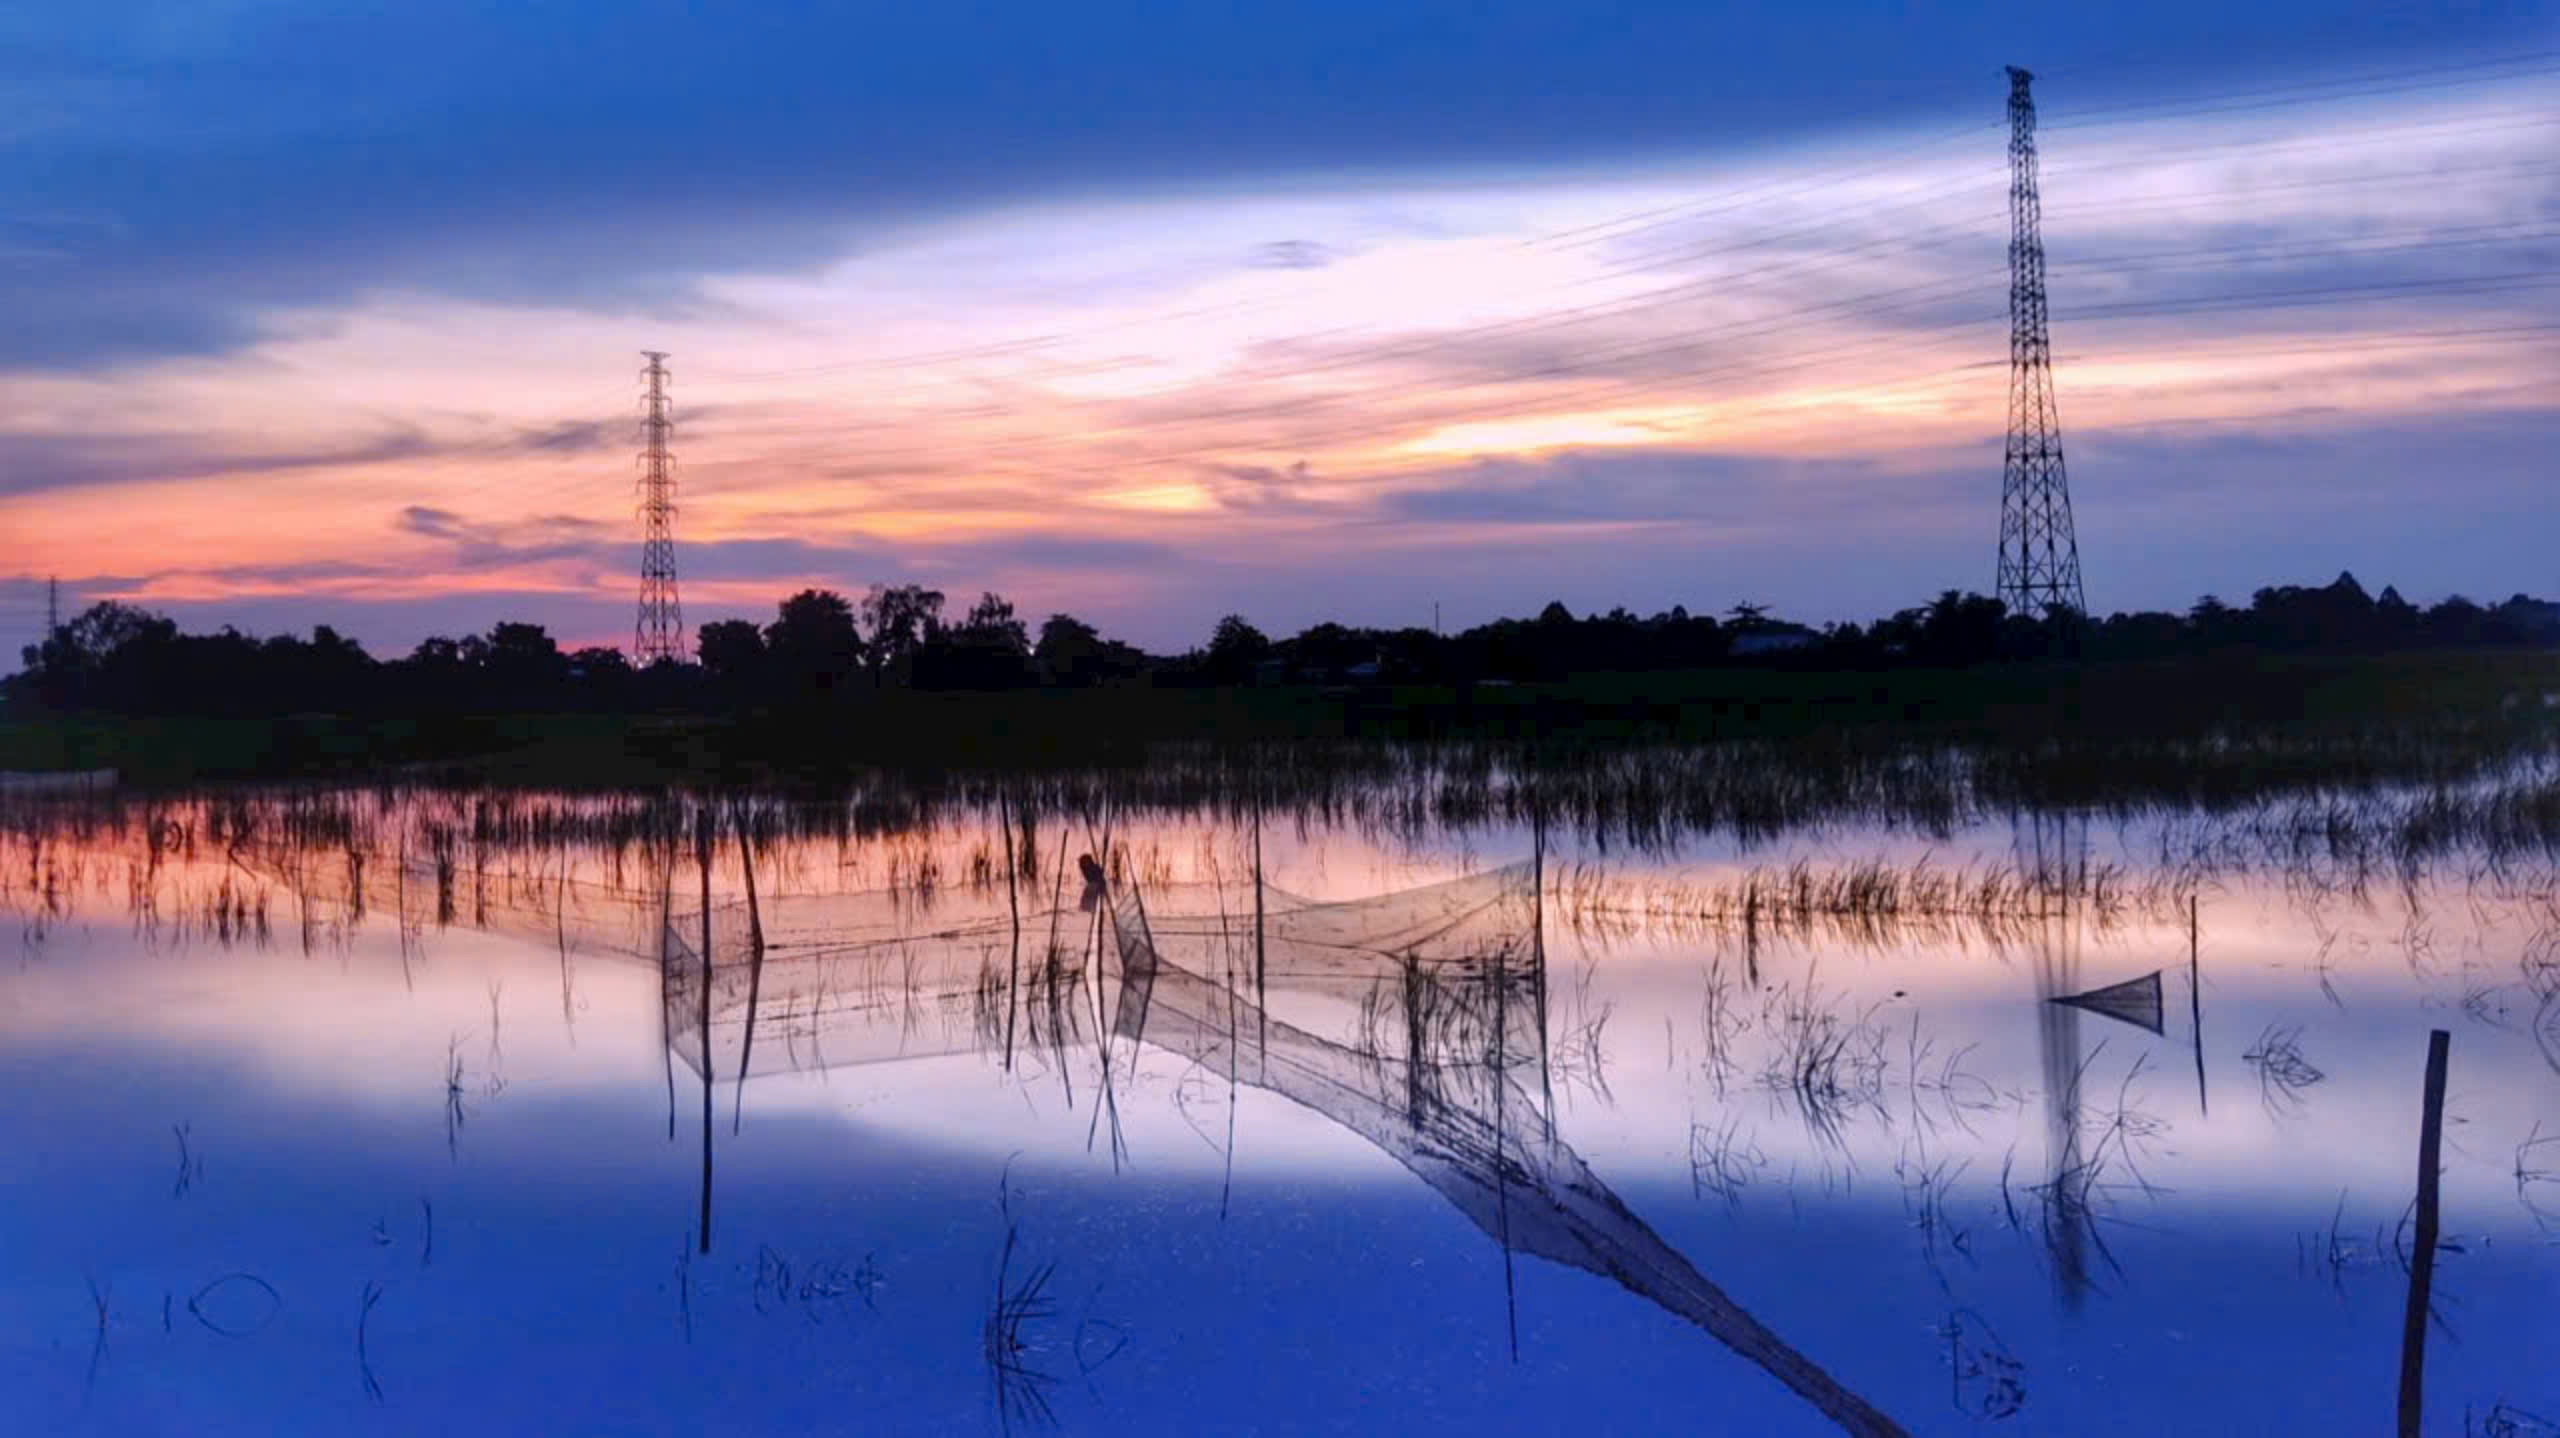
(823, 648)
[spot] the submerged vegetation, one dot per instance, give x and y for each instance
(2351, 814)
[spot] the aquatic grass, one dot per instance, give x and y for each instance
(2371, 801)
(819, 1286)
(364, 1356)
(99, 1302)
(2102, 1160)
(2538, 1187)
(1007, 1343)
(684, 1285)
(2283, 1073)
(233, 1325)
(455, 1113)
(1925, 1184)
(1959, 1091)
(1872, 902)
(1720, 1023)
(2328, 1250)
(1722, 1164)
(1987, 1381)
(190, 1164)
(1827, 1065)
(1580, 1051)
(2505, 1420)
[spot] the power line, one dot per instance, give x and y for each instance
(1426, 346)
(2313, 92)
(1869, 306)
(1662, 217)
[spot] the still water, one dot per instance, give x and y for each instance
(371, 1113)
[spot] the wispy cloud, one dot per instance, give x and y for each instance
(1145, 404)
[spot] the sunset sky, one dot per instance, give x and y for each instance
(1150, 312)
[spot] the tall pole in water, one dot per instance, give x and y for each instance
(2039, 555)
(702, 854)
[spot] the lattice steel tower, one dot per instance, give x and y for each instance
(2039, 557)
(659, 633)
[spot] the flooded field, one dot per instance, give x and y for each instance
(1669, 1099)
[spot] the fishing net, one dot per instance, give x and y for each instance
(420, 889)
(1414, 1019)
(2135, 1001)
(824, 981)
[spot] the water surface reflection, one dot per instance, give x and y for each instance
(389, 1113)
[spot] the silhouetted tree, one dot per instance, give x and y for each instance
(733, 658)
(601, 678)
(989, 649)
(1067, 651)
(1959, 629)
(119, 658)
(523, 665)
(2456, 621)
(1235, 647)
(1331, 650)
(812, 647)
(901, 620)
(991, 623)
(1071, 654)
(2213, 623)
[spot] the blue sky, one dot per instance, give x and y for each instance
(1139, 310)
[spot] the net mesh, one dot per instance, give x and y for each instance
(1414, 1019)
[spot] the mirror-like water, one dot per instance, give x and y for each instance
(405, 1112)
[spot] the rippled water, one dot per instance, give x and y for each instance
(369, 1127)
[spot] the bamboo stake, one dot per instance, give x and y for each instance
(755, 964)
(1013, 903)
(702, 852)
(2422, 1263)
(2195, 1003)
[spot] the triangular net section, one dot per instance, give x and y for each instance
(1449, 983)
(2135, 1001)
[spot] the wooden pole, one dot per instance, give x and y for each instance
(1261, 973)
(702, 853)
(667, 978)
(739, 822)
(1538, 961)
(560, 932)
(2422, 1263)
(1501, 1172)
(2195, 1003)
(1013, 905)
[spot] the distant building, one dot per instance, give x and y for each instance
(1772, 639)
